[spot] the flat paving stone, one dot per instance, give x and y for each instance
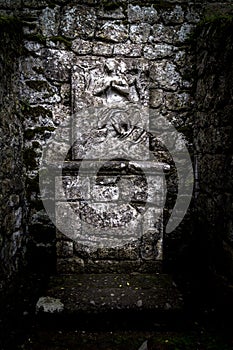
(103, 293)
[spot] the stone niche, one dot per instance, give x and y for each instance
(110, 197)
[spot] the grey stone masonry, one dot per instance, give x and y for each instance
(95, 54)
(110, 218)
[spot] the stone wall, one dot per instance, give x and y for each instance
(12, 174)
(214, 144)
(151, 42)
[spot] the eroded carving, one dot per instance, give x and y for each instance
(110, 81)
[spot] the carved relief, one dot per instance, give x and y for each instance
(100, 81)
(111, 147)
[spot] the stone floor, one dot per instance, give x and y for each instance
(200, 327)
(103, 293)
(60, 339)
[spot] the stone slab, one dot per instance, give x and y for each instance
(103, 293)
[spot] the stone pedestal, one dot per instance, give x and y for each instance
(110, 197)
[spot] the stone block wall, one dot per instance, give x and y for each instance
(12, 175)
(65, 40)
(214, 143)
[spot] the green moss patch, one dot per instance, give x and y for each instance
(38, 85)
(111, 5)
(36, 37)
(10, 24)
(61, 39)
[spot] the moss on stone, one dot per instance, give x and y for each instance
(38, 85)
(24, 106)
(162, 4)
(36, 112)
(36, 37)
(62, 40)
(218, 19)
(111, 5)
(10, 24)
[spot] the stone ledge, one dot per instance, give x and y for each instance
(93, 294)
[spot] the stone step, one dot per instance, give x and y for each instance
(119, 300)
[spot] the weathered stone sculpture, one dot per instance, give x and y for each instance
(117, 197)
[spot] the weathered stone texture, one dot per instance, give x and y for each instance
(78, 21)
(82, 54)
(214, 142)
(132, 53)
(12, 173)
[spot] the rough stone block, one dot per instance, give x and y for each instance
(49, 305)
(152, 221)
(62, 134)
(156, 97)
(71, 187)
(161, 33)
(156, 51)
(33, 47)
(111, 13)
(183, 33)
(139, 33)
(78, 21)
(39, 91)
(31, 3)
(85, 252)
(57, 64)
(114, 31)
(57, 151)
(49, 21)
(177, 101)
(137, 13)
(102, 49)
(65, 249)
(71, 265)
(82, 47)
(129, 251)
(67, 220)
(173, 16)
(165, 75)
(61, 114)
(102, 193)
(128, 49)
(65, 94)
